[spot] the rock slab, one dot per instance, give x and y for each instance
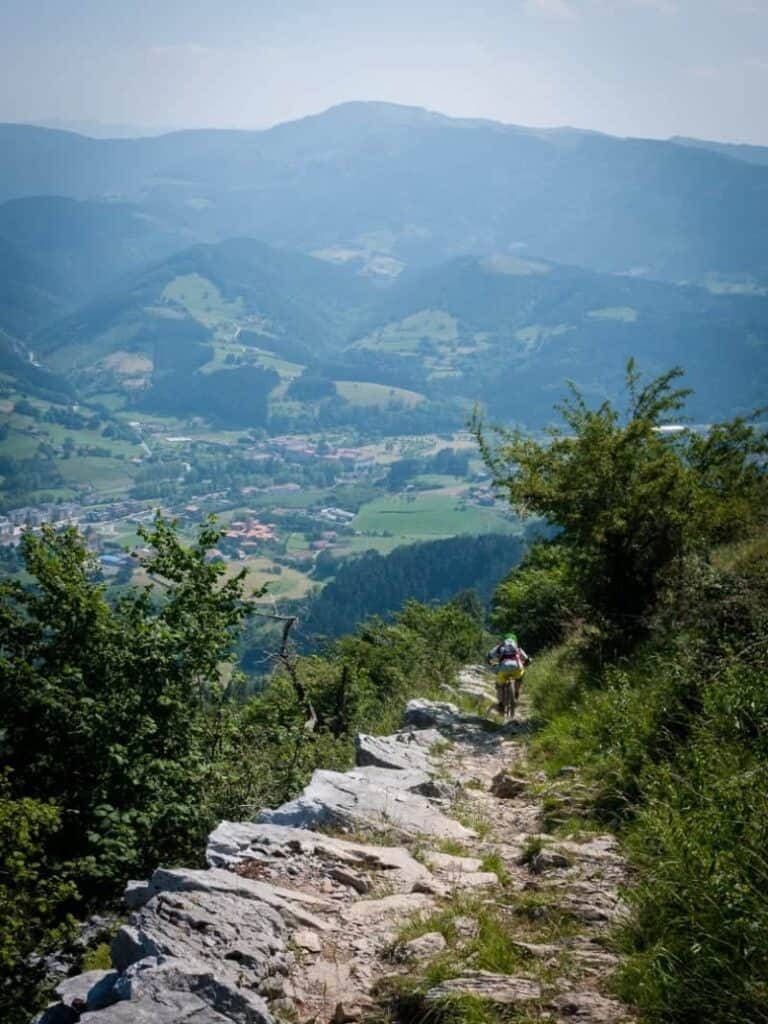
(367, 799)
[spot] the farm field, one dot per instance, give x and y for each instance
(367, 394)
(427, 515)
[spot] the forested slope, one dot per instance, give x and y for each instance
(373, 584)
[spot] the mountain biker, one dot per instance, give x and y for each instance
(511, 660)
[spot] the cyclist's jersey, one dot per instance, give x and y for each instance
(518, 659)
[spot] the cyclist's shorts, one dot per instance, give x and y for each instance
(505, 673)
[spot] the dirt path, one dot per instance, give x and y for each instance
(504, 913)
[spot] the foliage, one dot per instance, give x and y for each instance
(631, 498)
(123, 746)
(538, 600)
(33, 918)
(672, 745)
(669, 727)
(373, 584)
(111, 725)
(310, 386)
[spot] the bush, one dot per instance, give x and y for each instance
(539, 599)
(630, 499)
(33, 901)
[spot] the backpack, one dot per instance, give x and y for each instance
(509, 653)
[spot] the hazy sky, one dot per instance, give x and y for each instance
(630, 67)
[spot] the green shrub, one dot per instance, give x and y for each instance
(33, 899)
(538, 600)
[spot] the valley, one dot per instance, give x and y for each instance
(196, 343)
(312, 391)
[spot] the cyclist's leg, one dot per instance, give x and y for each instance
(509, 704)
(499, 693)
(518, 684)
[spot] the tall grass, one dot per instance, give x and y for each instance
(673, 743)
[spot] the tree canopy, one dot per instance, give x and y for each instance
(632, 490)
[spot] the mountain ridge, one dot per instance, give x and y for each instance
(418, 187)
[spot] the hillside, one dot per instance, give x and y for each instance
(432, 571)
(739, 151)
(508, 331)
(17, 365)
(176, 330)
(29, 296)
(385, 185)
(83, 247)
(187, 327)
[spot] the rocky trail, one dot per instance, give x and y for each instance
(379, 894)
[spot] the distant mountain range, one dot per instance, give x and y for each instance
(738, 151)
(387, 185)
(377, 247)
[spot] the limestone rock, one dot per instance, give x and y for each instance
(474, 681)
(502, 989)
(399, 751)
(541, 950)
(426, 714)
(593, 903)
(433, 887)
(507, 787)
(475, 880)
(308, 940)
(350, 878)
(156, 981)
(202, 947)
(398, 905)
(95, 988)
(449, 721)
(598, 848)
(136, 894)
(288, 906)
(424, 738)
(375, 799)
(423, 947)
(172, 1008)
(452, 864)
(234, 842)
(126, 947)
(466, 927)
(590, 1007)
(548, 860)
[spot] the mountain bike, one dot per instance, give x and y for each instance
(505, 690)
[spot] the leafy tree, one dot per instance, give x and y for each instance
(630, 497)
(538, 600)
(311, 386)
(110, 706)
(33, 918)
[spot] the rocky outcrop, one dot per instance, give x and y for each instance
(501, 989)
(292, 922)
(403, 752)
(373, 800)
(236, 843)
